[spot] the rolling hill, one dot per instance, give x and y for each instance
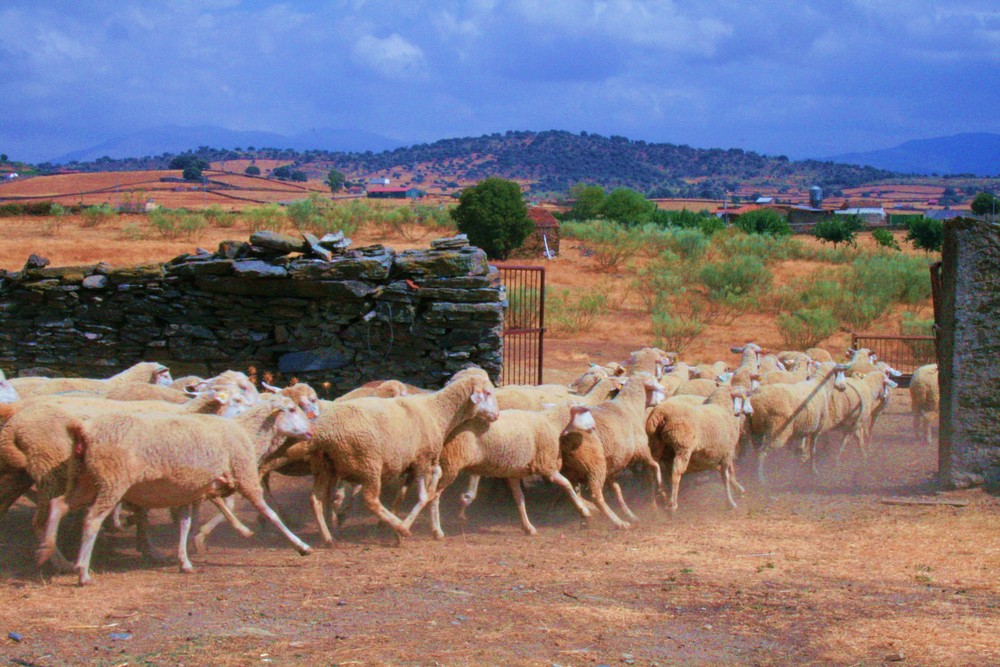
(549, 161)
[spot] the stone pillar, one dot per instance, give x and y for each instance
(970, 353)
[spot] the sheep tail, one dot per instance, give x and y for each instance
(76, 430)
(7, 411)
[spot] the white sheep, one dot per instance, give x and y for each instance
(820, 355)
(306, 398)
(382, 389)
(603, 440)
(368, 440)
(148, 372)
(191, 457)
(783, 412)
(36, 444)
(925, 400)
(519, 444)
(706, 436)
(703, 387)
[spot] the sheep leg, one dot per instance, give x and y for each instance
(811, 447)
(761, 477)
(370, 491)
(255, 496)
(447, 477)
(578, 502)
(423, 484)
(732, 477)
(143, 539)
(918, 426)
(515, 488)
(726, 471)
(96, 514)
(76, 495)
(116, 519)
(469, 496)
(616, 487)
(677, 470)
(39, 522)
(320, 498)
(184, 528)
(225, 507)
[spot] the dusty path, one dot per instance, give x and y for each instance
(818, 573)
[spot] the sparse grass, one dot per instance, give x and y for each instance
(573, 313)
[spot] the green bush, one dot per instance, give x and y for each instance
(902, 278)
(217, 217)
(270, 217)
(885, 238)
(738, 276)
(674, 331)
(806, 327)
(610, 243)
(568, 314)
(764, 221)
(734, 243)
(94, 216)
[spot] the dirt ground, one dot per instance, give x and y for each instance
(809, 571)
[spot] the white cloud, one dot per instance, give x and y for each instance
(393, 57)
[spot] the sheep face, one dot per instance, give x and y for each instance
(161, 376)
(581, 420)
(231, 403)
(291, 422)
(741, 404)
(485, 401)
(7, 392)
(655, 393)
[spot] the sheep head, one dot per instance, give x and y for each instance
(655, 392)
(161, 375)
(741, 402)
(581, 420)
(290, 421)
(7, 392)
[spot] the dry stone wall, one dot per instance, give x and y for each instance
(305, 307)
(970, 353)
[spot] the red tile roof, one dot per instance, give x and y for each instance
(542, 218)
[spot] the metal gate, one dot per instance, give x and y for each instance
(524, 324)
(904, 353)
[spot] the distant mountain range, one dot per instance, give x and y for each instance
(177, 139)
(973, 153)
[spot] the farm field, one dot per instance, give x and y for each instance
(810, 571)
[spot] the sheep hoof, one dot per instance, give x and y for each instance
(305, 552)
(531, 533)
(85, 579)
(438, 534)
(199, 545)
(187, 568)
(624, 525)
(43, 555)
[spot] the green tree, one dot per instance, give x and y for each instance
(335, 180)
(299, 176)
(493, 215)
(985, 203)
(628, 207)
(284, 172)
(838, 229)
(587, 203)
(925, 233)
(192, 172)
(252, 170)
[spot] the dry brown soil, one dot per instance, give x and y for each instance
(811, 571)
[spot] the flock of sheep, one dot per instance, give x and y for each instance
(144, 441)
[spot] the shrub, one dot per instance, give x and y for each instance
(610, 243)
(216, 217)
(885, 238)
(252, 170)
(270, 216)
(734, 243)
(573, 315)
(132, 231)
(913, 324)
(764, 221)
(902, 278)
(94, 216)
(925, 234)
(806, 327)
(674, 331)
(739, 276)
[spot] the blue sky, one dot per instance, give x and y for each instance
(801, 78)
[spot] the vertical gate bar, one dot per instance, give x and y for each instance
(936, 300)
(541, 323)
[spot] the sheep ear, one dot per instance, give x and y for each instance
(736, 350)
(270, 387)
(221, 397)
